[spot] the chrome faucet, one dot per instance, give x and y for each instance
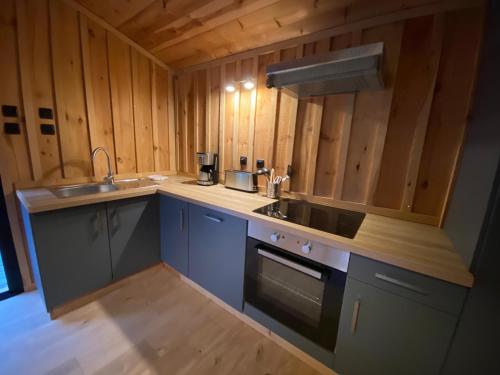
(109, 179)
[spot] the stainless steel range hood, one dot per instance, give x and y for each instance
(348, 70)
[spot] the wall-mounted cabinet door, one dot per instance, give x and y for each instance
(70, 251)
(217, 253)
(383, 333)
(174, 233)
(134, 237)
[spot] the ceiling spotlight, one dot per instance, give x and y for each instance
(230, 87)
(248, 84)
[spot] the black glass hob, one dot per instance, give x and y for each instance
(333, 220)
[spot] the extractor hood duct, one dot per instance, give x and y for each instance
(348, 70)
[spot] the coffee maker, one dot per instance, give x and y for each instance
(208, 163)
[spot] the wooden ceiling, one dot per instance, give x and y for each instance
(188, 32)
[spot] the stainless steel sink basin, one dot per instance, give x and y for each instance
(85, 189)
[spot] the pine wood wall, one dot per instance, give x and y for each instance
(391, 152)
(103, 91)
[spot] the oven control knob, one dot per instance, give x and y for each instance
(275, 237)
(306, 247)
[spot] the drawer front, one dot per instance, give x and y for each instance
(432, 292)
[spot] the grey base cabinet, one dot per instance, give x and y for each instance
(394, 321)
(69, 250)
(78, 250)
(134, 235)
(174, 233)
(217, 253)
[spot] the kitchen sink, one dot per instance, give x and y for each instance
(94, 188)
(85, 189)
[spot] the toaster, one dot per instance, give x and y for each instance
(240, 180)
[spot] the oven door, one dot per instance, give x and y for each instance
(303, 295)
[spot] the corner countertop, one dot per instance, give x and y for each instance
(416, 247)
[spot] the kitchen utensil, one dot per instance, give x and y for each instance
(272, 190)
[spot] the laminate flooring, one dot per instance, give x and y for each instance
(154, 324)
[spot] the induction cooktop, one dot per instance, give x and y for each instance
(333, 220)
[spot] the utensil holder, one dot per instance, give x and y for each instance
(273, 190)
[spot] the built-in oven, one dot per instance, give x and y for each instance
(285, 282)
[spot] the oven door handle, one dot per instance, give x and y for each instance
(289, 263)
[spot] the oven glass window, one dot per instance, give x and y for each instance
(298, 293)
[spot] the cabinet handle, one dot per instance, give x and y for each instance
(401, 284)
(213, 218)
(355, 314)
(96, 222)
(181, 220)
(115, 222)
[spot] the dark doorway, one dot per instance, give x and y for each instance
(10, 276)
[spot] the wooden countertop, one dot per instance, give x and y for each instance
(416, 247)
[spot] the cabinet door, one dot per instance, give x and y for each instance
(217, 253)
(134, 234)
(174, 233)
(383, 333)
(71, 251)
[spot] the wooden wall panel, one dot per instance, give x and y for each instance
(229, 115)
(246, 122)
(334, 136)
(183, 88)
(361, 151)
(265, 114)
(36, 78)
(370, 119)
(120, 80)
(450, 107)
(141, 87)
(56, 55)
(96, 70)
(69, 90)
(200, 108)
(413, 92)
(14, 146)
(307, 132)
(161, 114)
(213, 108)
(190, 134)
(81, 68)
(287, 119)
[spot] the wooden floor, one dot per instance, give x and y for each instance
(155, 324)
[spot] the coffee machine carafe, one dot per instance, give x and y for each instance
(208, 174)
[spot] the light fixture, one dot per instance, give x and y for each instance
(248, 84)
